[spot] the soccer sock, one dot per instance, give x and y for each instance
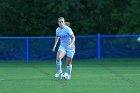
(69, 69)
(58, 64)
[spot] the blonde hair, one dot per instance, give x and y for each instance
(66, 23)
(61, 18)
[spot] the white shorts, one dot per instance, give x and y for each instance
(69, 52)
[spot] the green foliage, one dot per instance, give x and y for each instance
(131, 19)
(87, 17)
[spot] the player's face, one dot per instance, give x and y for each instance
(61, 23)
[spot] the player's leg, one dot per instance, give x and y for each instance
(60, 54)
(70, 55)
(69, 66)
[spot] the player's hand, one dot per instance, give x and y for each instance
(53, 50)
(69, 46)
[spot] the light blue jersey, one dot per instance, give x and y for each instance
(65, 35)
(65, 39)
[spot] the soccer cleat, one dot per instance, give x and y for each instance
(58, 73)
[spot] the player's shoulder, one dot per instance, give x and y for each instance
(68, 28)
(57, 29)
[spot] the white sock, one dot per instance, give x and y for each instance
(69, 69)
(58, 64)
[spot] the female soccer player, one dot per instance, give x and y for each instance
(67, 46)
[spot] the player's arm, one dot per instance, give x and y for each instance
(72, 41)
(56, 41)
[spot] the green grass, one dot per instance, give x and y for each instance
(88, 76)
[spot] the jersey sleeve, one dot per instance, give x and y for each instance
(70, 32)
(56, 32)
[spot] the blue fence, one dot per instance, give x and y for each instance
(87, 47)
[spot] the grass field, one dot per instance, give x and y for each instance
(88, 76)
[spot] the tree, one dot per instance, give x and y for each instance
(87, 17)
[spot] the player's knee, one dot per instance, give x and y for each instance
(68, 64)
(58, 59)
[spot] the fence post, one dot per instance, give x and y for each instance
(27, 50)
(99, 47)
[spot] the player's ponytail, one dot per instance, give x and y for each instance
(67, 23)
